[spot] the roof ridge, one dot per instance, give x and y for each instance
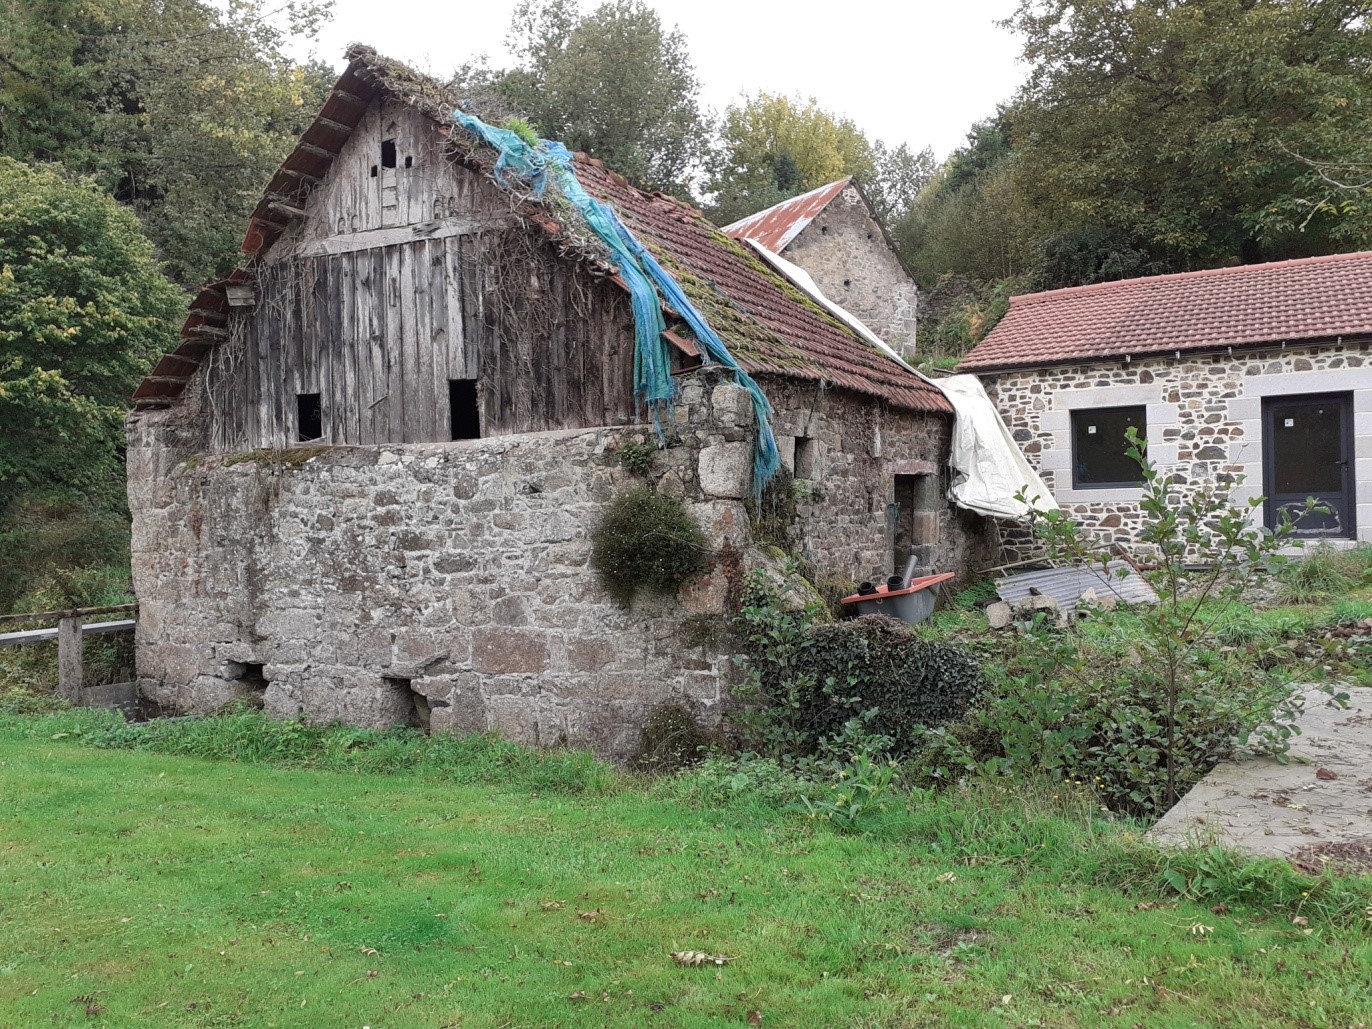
(1101, 287)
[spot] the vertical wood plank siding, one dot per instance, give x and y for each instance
(377, 324)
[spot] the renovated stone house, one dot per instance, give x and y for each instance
(362, 486)
(833, 233)
(1261, 371)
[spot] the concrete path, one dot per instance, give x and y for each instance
(1321, 799)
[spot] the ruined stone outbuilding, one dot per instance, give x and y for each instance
(1259, 377)
(834, 234)
(363, 485)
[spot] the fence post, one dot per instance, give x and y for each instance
(69, 673)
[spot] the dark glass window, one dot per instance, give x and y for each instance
(1099, 446)
(309, 416)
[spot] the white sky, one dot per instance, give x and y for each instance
(919, 72)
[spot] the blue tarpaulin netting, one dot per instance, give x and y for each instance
(550, 161)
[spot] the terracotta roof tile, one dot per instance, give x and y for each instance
(1310, 299)
(779, 224)
(768, 325)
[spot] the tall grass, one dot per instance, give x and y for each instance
(1326, 574)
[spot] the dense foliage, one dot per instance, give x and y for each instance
(646, 541)
(866, 685)
(180, 109)
(84, 312)
(1140, 717)
(771, 147)
(1157, 137)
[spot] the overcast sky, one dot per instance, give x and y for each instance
(919, 72)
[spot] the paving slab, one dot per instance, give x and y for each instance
(1322, 795)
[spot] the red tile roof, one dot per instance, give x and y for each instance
(768, 325)
(1306, 300)
(783, 222)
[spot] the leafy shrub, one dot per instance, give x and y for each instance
(1145, 703)
(1093, 715)
(865, 685)
(637, 458)
(860, 789)
(720, 781)
(646, 541)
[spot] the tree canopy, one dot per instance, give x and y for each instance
(178, 108)
(1156, 136)
(771, 147)
(84, 311)
(1178, 124)
(613, 83)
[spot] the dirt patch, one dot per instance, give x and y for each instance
(1351, 857)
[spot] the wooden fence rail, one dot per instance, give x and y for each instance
(70, 631)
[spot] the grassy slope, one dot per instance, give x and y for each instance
(145, 889)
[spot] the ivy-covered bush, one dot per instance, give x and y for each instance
(646, 541)
(868, 684)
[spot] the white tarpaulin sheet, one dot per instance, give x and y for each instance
(989, 471)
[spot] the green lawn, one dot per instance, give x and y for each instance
(142, 888)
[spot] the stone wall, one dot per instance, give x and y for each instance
(347, 580)
(1204, 420)
(448, 584)
(856, 447)
(846, 253)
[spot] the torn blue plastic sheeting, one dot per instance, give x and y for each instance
(644, 276)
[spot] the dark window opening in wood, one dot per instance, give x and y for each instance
(309, 417)
(388, 153)
(409, 161)
(1099, 447)
(464, 409)
(373, 171)
(805, 458)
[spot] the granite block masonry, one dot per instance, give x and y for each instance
(448, 584)
(1204, 421)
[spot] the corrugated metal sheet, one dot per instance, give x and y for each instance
(1066, 585)
(783, 222)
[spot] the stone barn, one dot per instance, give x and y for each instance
(1262, 371)
(834, 234)
(363, 484)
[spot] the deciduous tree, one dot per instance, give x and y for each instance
(614, 83)
(178, 108)
(84, 311)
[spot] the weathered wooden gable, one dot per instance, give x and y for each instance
(405, 273)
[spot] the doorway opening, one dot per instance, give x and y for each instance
(1307, 451)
